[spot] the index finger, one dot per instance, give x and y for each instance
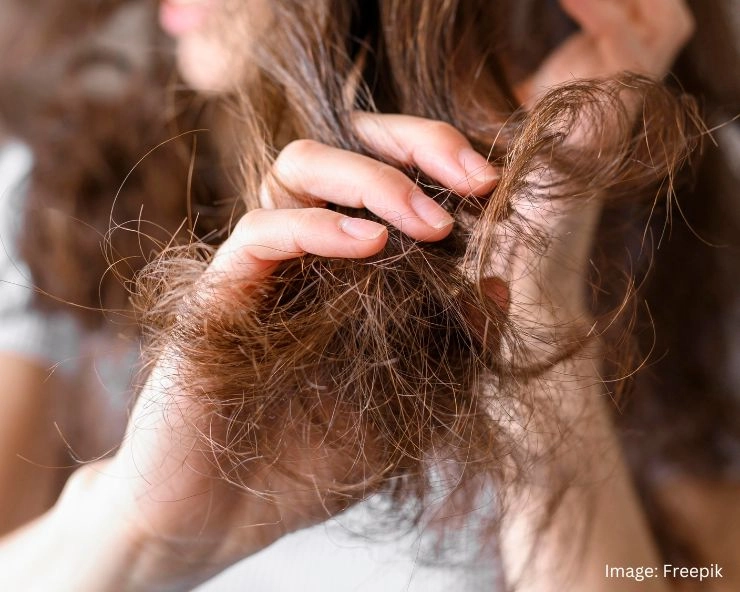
(264, 238)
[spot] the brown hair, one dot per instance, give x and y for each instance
(399, 359)
(400, 362)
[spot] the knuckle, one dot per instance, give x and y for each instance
(369, 127)
(296, 151)
(677, 27)
(441, 130)
(361, 118)
(302, 219)
(686, 25)
(388, 177)
(247, 221)
(303, 222)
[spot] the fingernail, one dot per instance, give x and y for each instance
(429, 210)
(361, 229)
(476, 167)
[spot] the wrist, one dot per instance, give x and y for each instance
(89, 522)
(121, 553)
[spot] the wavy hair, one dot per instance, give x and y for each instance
(399, 361)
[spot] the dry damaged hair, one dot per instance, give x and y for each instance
(411, 56)
(400, 363)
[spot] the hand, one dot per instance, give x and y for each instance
(167, 500)
(549, 293)
(642, 36)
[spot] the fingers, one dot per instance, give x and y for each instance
(320, 173)
(263, 238)
(323, 173)
(600, 18)
(670, 23)
(644, 35)
(434, 147)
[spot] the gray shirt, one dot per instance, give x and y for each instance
(47, 337)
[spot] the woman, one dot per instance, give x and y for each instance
(145, 542)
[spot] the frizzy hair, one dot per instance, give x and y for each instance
(400, 362)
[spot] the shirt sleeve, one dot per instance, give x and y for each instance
(50, 338)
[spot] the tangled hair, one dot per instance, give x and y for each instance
(400, 363)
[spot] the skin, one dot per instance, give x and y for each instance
(124, 515)
(27, 443)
